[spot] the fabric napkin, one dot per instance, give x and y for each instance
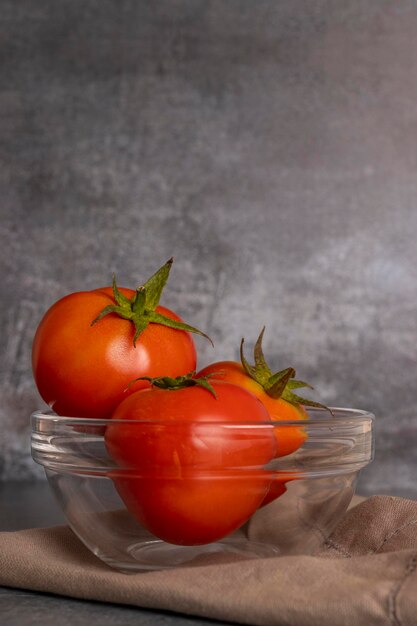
(364, 574)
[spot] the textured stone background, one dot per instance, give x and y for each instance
(269, 146)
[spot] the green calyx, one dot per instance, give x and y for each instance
(180, 382)
(278, 385)
(141, 308)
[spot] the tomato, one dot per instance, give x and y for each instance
(276, 489)
(279, 483)
(289, 438)
(90, 345)
(191, 464)
(275, 391)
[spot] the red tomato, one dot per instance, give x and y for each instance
(289, 438)
(84, 370)
(193, 462)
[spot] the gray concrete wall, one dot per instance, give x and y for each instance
(270, 146)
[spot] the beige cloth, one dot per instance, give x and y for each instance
(365, 574)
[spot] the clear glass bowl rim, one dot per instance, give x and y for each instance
(317, 416)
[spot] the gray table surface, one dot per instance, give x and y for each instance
(30, 505)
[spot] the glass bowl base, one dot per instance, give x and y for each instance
(156, 554)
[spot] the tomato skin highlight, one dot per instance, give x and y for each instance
(289, 438)
(85, 371)
(191, 472)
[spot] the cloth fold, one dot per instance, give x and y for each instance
(365, 573)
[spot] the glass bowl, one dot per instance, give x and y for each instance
(225, 497)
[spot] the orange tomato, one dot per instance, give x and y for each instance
(289, 438)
